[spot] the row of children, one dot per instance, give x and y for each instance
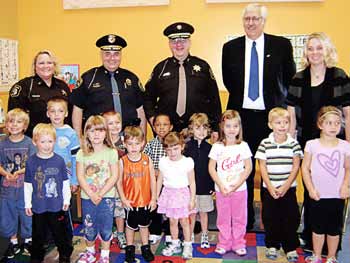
(180, 185)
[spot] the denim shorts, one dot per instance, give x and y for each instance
(98, 220)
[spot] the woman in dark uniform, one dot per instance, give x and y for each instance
(32, 93)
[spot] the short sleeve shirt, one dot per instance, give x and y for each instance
(175, 173)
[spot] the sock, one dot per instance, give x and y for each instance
(27, 240)
(104, 253)
(176, 242)
(189, 243)
(167, 238)
(91, 249)
(14, 241)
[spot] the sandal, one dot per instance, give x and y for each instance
(220, 250)
(241, 252)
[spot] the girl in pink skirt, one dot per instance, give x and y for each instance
(177, 198)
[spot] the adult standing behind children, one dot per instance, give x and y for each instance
(256, 70)
(182, 84)
(32, 93)
(279, 160)
(137, 190)
(13, 217)
(47, 195)
(109, 87)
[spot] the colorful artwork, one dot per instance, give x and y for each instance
(70, 74)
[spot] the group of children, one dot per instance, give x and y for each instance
(172, 176)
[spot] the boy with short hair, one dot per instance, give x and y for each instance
(47, 195)
(137, 190)
(155, 150)
(14, 151)
(279, 159)
(67, 143)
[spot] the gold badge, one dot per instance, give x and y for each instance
(111, 39)
(64, 93)
(96, 85)
(196, 68)
(128, 82)
(179, 27)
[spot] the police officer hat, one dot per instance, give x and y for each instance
(111, 42)
(178, 30)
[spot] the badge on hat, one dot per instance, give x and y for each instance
(178, 30)
(111, 39)
(111, 42)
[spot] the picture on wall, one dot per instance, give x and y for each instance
(70, 74)
(81, 4)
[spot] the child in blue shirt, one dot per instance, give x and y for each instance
(14, 151)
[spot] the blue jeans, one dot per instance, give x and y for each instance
(12, 210)
(98, 220)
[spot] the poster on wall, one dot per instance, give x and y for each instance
(70, 74)
(8, 63)
(252, 1)
(297, 41)
(81, 4)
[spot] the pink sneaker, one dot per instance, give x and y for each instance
(87, 257)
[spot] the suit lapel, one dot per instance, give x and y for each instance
(267, 56)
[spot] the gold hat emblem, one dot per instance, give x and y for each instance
(196, 68)
(179, 27)
(111, 39)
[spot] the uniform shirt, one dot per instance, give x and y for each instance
(199, 153)
(279, 158)
(46, 182)
(13, 156)
(32, 94)
(137, 180)
(230, 162)
(202, 91)
(67, 145)
(94, 95)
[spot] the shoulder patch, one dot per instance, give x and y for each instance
(15, 91)
(211, 74)
(140, 86)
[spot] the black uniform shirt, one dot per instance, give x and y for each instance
(94, 95)
(202, 91)
(32, 94)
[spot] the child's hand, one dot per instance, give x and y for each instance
(223, 189)
(344, 191)
(15, 175)
(127, 204)
(192, 204)
(9, 177)
(65, 207)
(152, 205)
(73, 188)
(273, 192)
(282, 190)
(314, 194)
(95, 198)
(29, 212)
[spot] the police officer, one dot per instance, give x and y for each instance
(108, 88)
(182, 84)
(32, 93)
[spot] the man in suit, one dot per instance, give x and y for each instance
(256, 71)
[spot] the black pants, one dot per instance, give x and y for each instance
(155, 228)
(57, 223)
(255, 129)
(281, 218)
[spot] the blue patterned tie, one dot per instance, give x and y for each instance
(253, 91)
(116, 94)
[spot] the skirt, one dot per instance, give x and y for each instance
(175, 202)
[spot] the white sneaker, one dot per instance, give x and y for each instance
(87, 257)
(172, 249)
(205, 240)
(192, 237)
(153, 239)
(187, 251)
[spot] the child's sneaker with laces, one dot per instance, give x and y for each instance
(292, 256)
(205, 240)
(153, 239)
(332, 260)
(170, 250)
(27, 247)
(313, 259)
(187, 251)
(121, 240)
(103, 260)
(271, 253)
(87, 257)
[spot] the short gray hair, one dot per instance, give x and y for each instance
(256, 7)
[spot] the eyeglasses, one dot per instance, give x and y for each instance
(178, 41)
(254, 19)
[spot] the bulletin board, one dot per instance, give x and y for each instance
(8, 63)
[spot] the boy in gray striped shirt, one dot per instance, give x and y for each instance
(279, 158)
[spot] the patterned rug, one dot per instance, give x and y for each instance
(255, 249)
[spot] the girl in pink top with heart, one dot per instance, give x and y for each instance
(326, 173)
